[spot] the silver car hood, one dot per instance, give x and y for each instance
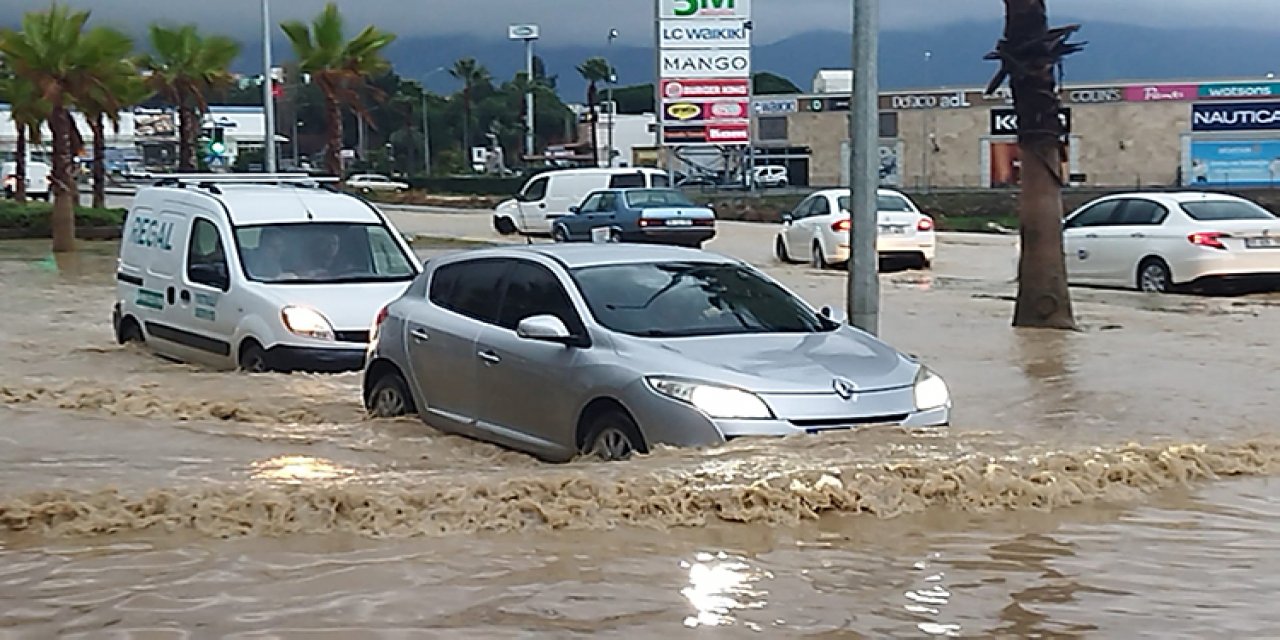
(783, 363)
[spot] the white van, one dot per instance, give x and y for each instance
(549, 195)
(37, 179)
(237, 271)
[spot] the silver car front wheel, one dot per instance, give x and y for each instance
(613, 435)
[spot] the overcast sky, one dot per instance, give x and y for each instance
(567, 21)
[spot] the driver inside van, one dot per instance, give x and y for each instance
(267, 261)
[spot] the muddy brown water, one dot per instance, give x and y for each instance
(1116, 482)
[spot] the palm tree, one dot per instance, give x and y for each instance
(341, 68)
(1028, 55)
(121, 87)
(471, 74)
(184, 67)
(594, 70)
(64, 62)
(29, 112)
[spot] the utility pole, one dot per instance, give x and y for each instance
(528, 33)
(268, 93)
(864, 136)
(613, 79)
(426, 136)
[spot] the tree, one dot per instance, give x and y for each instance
(63, 62)
(185, 67)
(29, 110)
(120, 86)
(340, 68)
(594, 70)
(765, 83)
(471, 74)
(1028, 55)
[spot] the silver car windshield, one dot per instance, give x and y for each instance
(321, 253)
(656, 198)
(679, 299)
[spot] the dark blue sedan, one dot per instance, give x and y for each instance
(651, 216)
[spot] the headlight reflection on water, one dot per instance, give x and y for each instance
(719, 585)
(298, 469)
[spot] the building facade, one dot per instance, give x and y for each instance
(1220, 133)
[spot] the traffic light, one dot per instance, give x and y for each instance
(218, 145)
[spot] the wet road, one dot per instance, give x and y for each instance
(1116, 482)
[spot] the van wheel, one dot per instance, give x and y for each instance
(253, 358)
(390, 397)
(504, 226)
(130, 332)
(613, 435)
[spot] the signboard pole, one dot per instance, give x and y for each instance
(864, 181)
(659, 135)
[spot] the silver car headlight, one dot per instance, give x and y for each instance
(714, 400)
(930, 390)
(307, 322)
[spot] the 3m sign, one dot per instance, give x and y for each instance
(705, 9)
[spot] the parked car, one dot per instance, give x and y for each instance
(562, 349)
(770, 176)
(819, 229)
(225, 272)
(37, 179)
(659, 216)
(369, 182)
(548, 196)
(1167, 241)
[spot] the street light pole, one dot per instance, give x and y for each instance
(613, 79)
(426, 125)
(864, 124)
(268, 95)
(528, 98)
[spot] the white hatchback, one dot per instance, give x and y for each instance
(818, 230)
(373, 182)
(1165, 241)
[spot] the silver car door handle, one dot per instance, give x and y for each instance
(489, 357)
(420, 335)
(1091, 235)
(1138, 235)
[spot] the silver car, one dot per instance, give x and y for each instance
(610, 349)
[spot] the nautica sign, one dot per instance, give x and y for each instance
(1236, 116)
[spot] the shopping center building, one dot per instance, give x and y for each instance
(1223, 133)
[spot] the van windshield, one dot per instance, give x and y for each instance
(321, 253)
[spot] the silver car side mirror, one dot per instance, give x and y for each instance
(546, 328)
(833, 314)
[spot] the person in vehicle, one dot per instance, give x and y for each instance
(268, 260)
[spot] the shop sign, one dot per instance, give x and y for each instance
(955, 100)
(1161, 92)
(1236, 116)
(706, 88)
(1234, 162)
(706, 63)
(1004, 122)
(774, 106)
(1230, 91)
(1095, 95)
(685, 9)
(705, 34)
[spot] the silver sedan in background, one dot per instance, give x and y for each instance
(611, 349)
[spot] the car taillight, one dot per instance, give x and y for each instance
(844, 224)
(705, 222)
(1211, 239)
(377, 322)
(924, 224)
(648, 222)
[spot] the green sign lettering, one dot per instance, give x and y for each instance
(686, 8)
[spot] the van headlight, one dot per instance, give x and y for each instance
(307, 322)
(713, 400)
(930, 390)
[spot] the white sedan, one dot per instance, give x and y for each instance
(373, 182)
(818, 230)
(1165, 241)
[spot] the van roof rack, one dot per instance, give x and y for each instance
(211, 180)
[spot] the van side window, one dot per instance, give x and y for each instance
(206, 259)
(660, 180)
(535, 190)
(627, 181)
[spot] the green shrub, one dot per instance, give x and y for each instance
(34, 216)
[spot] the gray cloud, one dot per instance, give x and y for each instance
(581, 21)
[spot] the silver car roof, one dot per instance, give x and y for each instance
(575, 255)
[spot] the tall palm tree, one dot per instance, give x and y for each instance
(594, 70)
(184, 67)
(121, 87)
(29, 111)
(471, 74)
(1028, 54)
(63, 61)
(341, 68)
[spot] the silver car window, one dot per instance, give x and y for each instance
(673, 299)
(470, 288)
(533, 290)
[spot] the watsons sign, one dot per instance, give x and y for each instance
(1227, 91)
(1236, 116)
(706, 64)
(704, 34)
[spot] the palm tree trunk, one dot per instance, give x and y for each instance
(1044, 299)
(595, 123)
(188, 136)
(20, 167)
(466, 124)
(63, 221)
(333, 123)
(99, 162)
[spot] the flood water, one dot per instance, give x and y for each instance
(1120, 481)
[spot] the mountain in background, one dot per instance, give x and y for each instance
(1115, 52)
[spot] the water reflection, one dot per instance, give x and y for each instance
(1045, 357)
(720, 584)
(928, 601)
(298, 469)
